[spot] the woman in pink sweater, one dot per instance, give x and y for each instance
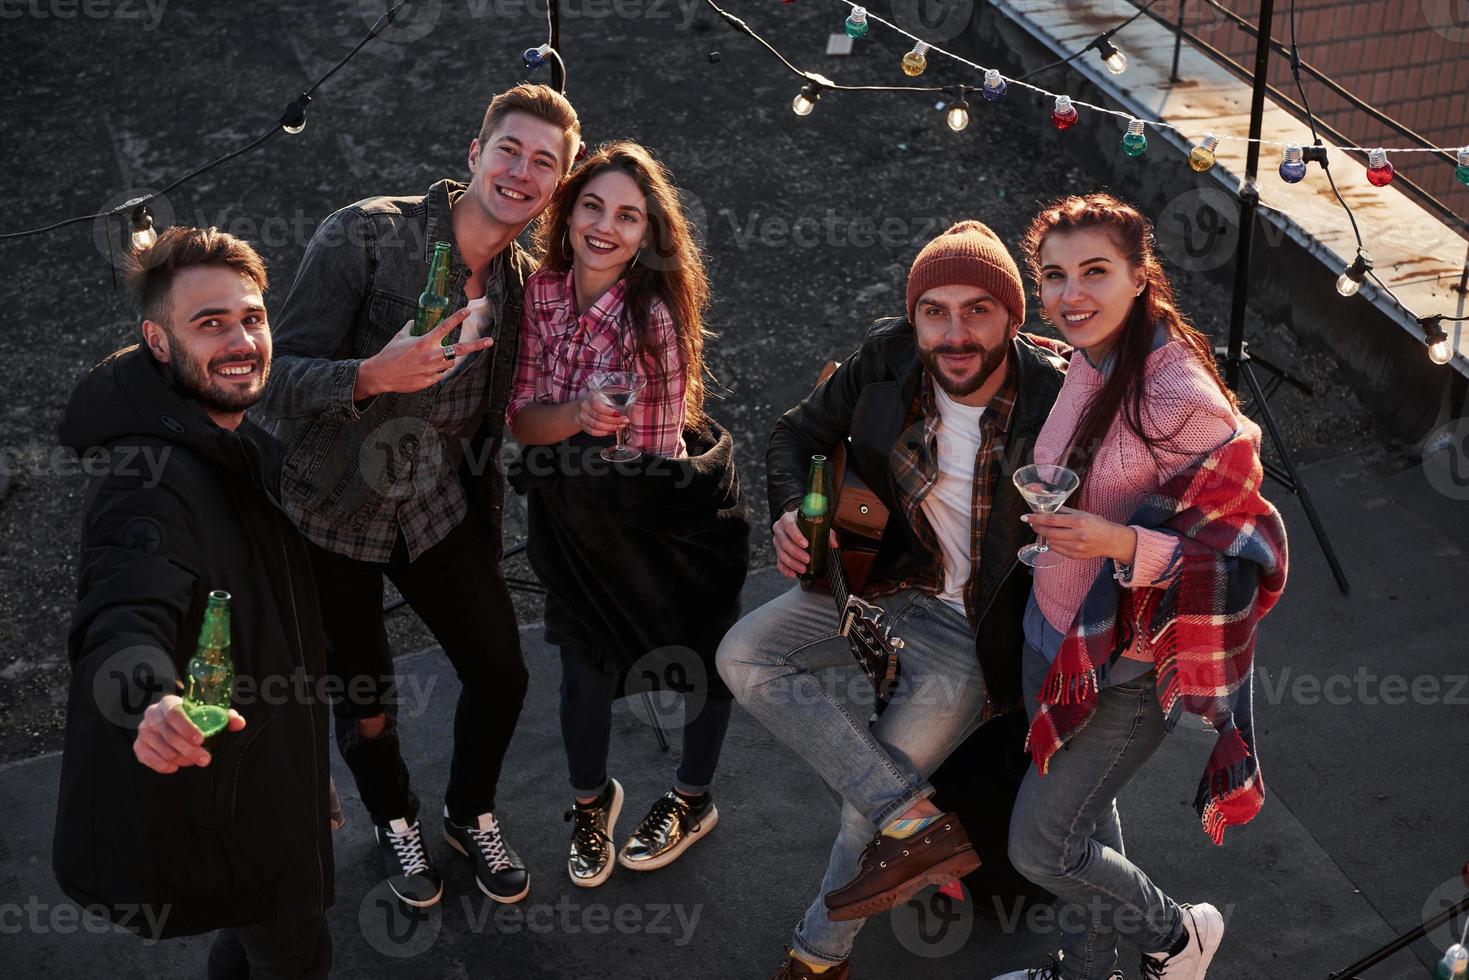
(1142, 401)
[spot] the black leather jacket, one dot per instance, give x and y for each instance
(866, 401)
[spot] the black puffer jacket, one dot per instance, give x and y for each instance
(183, 508)
(866, 401)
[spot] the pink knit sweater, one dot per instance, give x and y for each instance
(1179, 391)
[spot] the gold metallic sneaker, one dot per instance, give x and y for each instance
(591, 861)
(670, 828)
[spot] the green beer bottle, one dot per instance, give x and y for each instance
(211, 676)
(814, 519)
(433, 302)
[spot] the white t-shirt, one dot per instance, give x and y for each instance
(472, 328)
(948, 505)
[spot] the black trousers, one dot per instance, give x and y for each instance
(457, 589)
(299, 950)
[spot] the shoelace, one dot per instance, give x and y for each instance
(492, 845)
(584, 830)
(661, 816)
(408, 846)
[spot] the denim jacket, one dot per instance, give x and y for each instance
(357, 284)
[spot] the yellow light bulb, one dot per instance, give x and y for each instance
(915, 62)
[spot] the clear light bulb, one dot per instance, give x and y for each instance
(1440, 352)
(806, 100)
(293, 129)
(1114, 60)
(1351, 280)
(1379, 170)
(1201, 157)
(1063, 117)
(143, 234)
(857, 22)
(994, 86)
(1135, 140)
(293, 120)
(1292, 166)
(1462, 170)
(958, 116)
(915, 62)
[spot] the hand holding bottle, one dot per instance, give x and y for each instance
(167, 740)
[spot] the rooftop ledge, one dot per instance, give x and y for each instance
(1414, 252)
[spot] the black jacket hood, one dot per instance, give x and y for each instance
(128, 398)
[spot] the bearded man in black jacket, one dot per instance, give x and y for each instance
(154, 829)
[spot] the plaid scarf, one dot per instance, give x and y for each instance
(1228, 572)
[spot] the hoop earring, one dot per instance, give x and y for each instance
(634, 260)
(566, 252)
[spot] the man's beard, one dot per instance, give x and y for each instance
(197, 381)
(991, 360)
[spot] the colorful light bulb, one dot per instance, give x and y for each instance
(1379, 170)
(915, 62)
(857, 22)
(803, 103)
(1201, 157)
(1063, 117)
(1135, 140)
(1462, 170)
(1292, 166)
(994, 87)
(1455, 962)
(958, 114)
(1114, 60)
(536, 57)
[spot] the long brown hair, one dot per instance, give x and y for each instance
(1125, 389)
(671, 268)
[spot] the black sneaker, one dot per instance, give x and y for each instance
(498, 871)
(407, 866)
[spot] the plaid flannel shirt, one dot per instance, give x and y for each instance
(915, 468)
(560, 350)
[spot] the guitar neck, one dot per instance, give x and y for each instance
(837, 576)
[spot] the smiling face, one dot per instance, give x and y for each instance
(516, 168)
(1087, 288)
(216, 343)
(608, 222)
(963, 336)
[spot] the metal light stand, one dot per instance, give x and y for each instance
(1237, 361)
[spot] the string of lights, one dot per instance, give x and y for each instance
(1201, 156)
(292, 121)
(1063, 114)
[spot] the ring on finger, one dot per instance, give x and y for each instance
(450, 353)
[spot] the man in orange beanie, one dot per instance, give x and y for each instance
(937, 410)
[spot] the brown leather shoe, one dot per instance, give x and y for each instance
(792, 968)
(894, 869)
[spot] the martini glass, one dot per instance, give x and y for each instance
(619, 391)
(1045, 488)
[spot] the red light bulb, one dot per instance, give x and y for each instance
(1379, 170)
(1063, 117)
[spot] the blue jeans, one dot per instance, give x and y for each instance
(587, 691)
(1066, 836)
(769, 660)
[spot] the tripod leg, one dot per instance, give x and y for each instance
(1297, 485)
(654, 720)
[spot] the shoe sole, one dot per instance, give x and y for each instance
(672, 854)
(613, 812)
(418, 903)
(955, 866)
(502, 899)
(1210, 945)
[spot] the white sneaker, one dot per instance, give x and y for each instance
(1203, 928)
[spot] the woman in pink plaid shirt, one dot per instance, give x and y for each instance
(621, 287)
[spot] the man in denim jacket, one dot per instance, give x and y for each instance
(391, 442)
